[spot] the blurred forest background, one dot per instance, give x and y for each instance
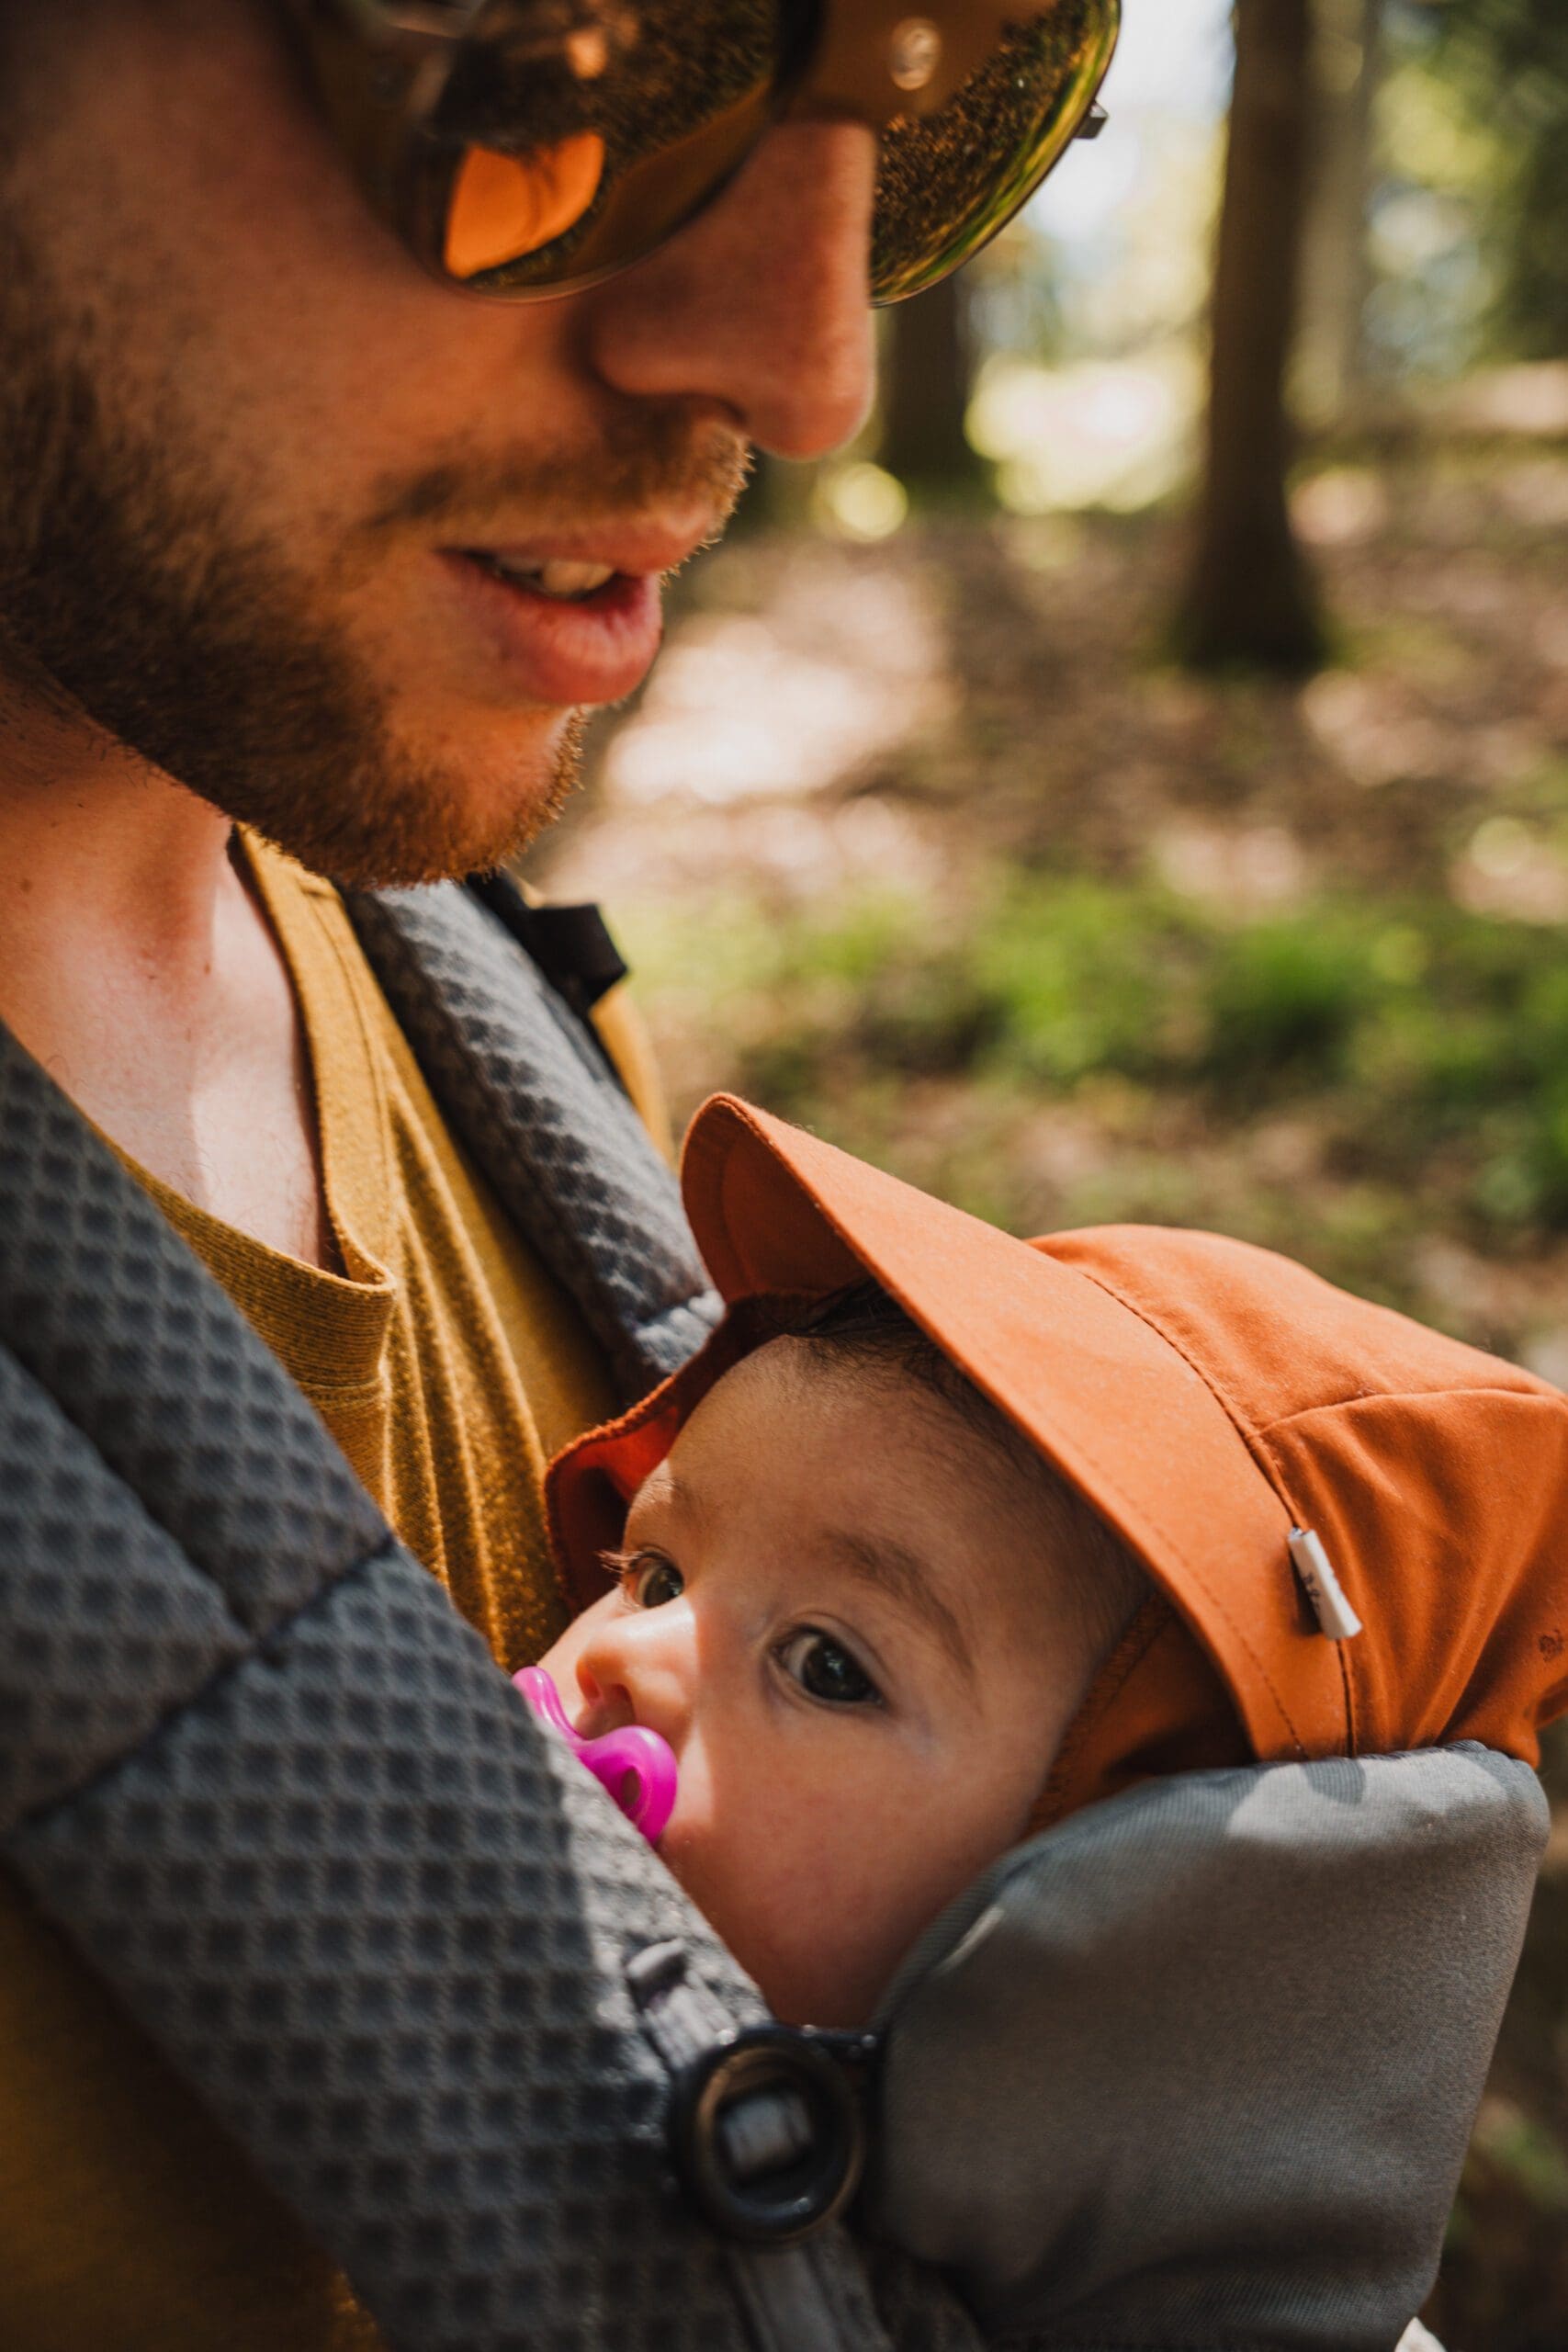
(1134, 782)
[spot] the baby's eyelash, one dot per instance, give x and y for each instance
(619, 1564)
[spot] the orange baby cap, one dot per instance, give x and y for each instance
(1216, 1404)
(1434, 1477)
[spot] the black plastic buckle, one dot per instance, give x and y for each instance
(571, 945)
(768, 2131)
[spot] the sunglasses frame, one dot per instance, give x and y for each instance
(379, 69)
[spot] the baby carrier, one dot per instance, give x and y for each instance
(1195, 2068)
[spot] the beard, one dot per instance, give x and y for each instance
(135, 593)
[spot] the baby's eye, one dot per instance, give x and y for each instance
(825, 1670)
(651, 1581)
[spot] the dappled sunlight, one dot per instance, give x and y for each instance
(1116, 434)
(1529, 398)
(1372, 729)
(1343, 507)
(1244, 868)
(845, 665)
(1512, 868)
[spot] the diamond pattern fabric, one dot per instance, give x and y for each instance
(255, 1766)
(104, 1625)
(379, 1919)
(143, 1352)
(550, 1127)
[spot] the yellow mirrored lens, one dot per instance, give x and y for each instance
(675, 117)
(504, 207)
(947, 183)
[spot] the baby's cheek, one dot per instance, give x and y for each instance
(897, 1860)
(816, 1886)
(688, 1839)
(735, 1856)
(824, 1914)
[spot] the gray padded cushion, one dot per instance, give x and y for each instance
(554, 1133)
(379, 1918)
(324, 1853)
(104, 1624)
(140, 1349)
(1198, 2067)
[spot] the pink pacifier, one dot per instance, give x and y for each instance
(634, 1765)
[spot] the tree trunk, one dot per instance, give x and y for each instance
(1250, 598)
(930, 368)
(1330, 374)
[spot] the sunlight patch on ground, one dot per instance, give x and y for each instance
(1529, 398)
(1244, 868)
(1371, 730)
(844, 667)
(1513, 869)
(674, 855)
(1343, 507)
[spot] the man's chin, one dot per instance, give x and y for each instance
(393, 821)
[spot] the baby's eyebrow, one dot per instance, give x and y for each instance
(903, 1577)
(669, 1493)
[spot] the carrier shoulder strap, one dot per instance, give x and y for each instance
(524, 1081)
(259, 1771)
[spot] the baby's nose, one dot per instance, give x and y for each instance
(636, 1670)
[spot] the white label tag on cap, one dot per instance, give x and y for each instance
(1330, 1606)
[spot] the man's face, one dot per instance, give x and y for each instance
(261, 474)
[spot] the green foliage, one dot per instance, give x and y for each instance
(1508, 61)
(1064, 985)
(1283, 1000)
(1430, 1046)
(1525, 2154)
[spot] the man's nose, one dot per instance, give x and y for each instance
(761, 303)
(637, 1668)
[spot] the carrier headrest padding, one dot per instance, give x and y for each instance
(1243, 2020)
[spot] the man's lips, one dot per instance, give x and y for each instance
(558, 653)
(562, 651)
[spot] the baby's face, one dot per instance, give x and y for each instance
(833, 1606)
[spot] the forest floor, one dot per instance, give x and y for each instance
(927, 844)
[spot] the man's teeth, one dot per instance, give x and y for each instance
(567, 583)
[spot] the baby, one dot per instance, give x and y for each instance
(899, 1582)
(862, 1611)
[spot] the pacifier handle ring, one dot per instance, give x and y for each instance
(634, 1766)
(539, 1687)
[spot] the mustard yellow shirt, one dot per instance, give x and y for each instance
(449, 1365)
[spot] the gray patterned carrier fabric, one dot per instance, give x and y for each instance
(255, 1765)
(530, 1093)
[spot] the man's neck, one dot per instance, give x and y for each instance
(140, 970)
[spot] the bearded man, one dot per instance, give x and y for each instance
(312, 558)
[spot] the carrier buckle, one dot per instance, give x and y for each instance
(768, 2132)
(766, 2122)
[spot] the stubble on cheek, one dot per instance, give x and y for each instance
(139, 591)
